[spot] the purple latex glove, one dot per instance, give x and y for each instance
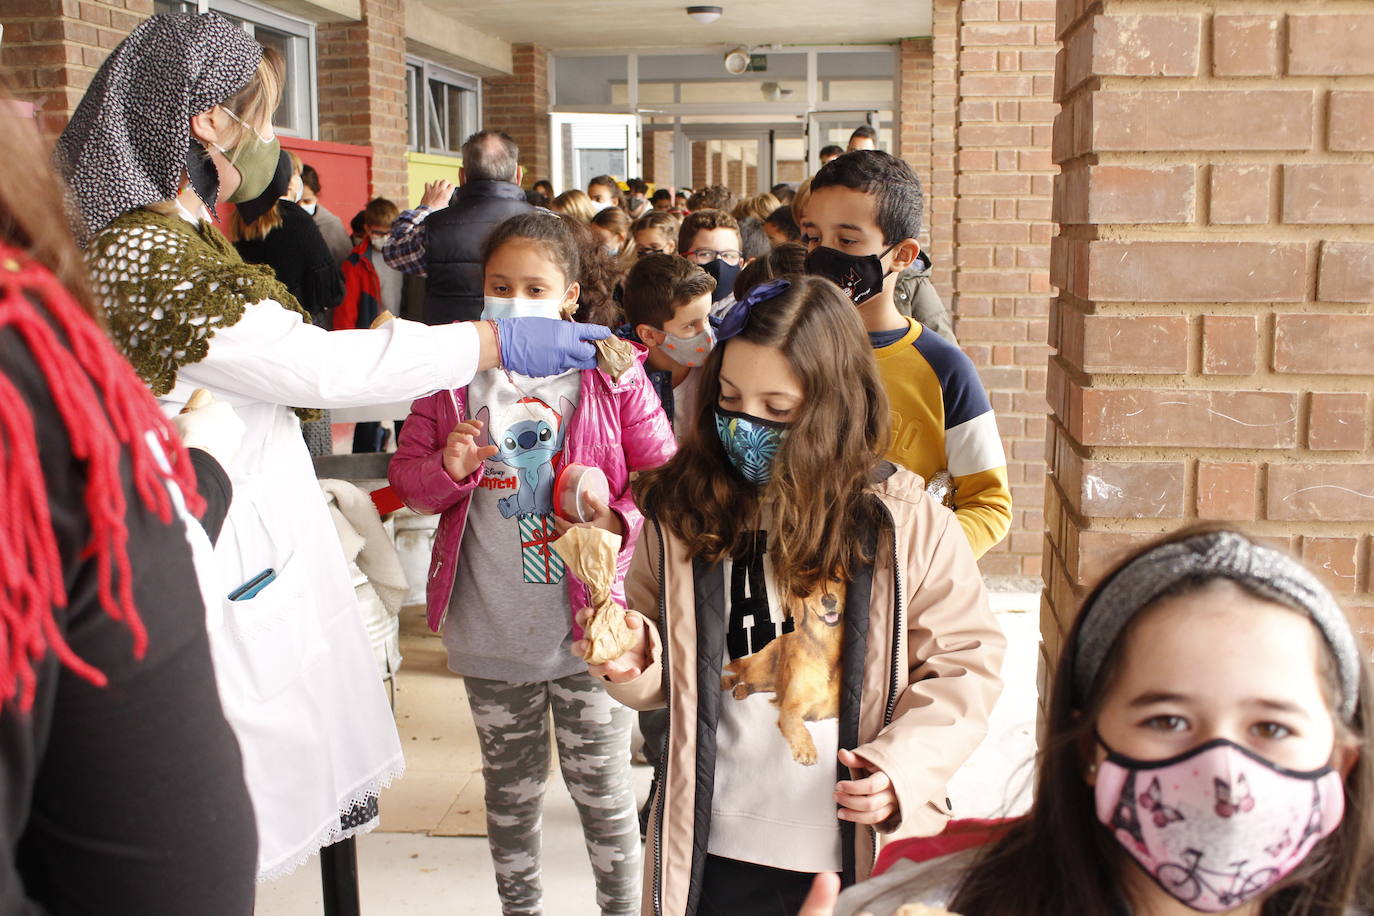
(547, 346)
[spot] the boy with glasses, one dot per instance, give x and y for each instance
(710, 239)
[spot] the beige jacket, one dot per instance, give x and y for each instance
(917, 706)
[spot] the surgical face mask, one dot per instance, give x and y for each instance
(860, 277)
(379, 239)
(598, 206)
(613, 250)
(255, 158)
(1218, 825)
(724, 275)
(751, 443)
(311, 207)
(689, 351)
(516, 307)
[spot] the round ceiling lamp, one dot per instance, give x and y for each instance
(705, 14)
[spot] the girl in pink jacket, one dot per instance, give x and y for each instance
(488, 456)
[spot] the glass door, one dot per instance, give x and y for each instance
(587, 145)
(832, 128)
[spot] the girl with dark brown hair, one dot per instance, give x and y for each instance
(812, 621)
(1207, 750)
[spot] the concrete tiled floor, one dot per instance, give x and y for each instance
(430, 858)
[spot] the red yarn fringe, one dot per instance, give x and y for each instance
(107, 412)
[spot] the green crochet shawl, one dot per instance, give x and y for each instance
(167, 286)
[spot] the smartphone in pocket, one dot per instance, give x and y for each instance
(253, 586)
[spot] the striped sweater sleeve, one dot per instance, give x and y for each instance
(973, 446)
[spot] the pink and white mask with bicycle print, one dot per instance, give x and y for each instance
(1219, 825)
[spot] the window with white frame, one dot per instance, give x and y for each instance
(445, 107)
(293, 38)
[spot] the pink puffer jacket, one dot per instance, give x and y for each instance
(618, 427)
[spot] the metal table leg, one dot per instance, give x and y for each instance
(339, 874)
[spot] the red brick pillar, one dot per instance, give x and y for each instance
(1004, 179)
(716, 174)
(1215, 270)
(944, 102)
(658, 158)
(916, 71)
(52, 48)
(519, 105)
(362, 90)
(736, 177)
(751, 180)
(701, 163)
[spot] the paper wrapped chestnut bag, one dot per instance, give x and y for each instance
(590, 554)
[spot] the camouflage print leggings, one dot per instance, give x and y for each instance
(593, 735)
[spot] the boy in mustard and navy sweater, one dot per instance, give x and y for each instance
(860, 226)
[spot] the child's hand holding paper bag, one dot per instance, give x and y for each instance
(590, 554)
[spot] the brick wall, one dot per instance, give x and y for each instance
(657, 152)
(944, 103)
(701, 164)
(1215, 268)
(52, 48)
(791, 170)
(975, 117)
(916, 62)
(362, 90)
(1004, 179)
(519, 105)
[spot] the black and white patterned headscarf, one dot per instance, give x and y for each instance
(129, 141)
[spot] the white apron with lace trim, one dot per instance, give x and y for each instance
(293, 663)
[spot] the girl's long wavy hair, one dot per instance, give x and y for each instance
(1059, 859)
(837, 439)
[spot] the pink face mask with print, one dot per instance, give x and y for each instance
(1219, 825)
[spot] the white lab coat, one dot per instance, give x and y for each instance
(294, 665)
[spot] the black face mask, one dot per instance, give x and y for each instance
(860, 277)
(202, 175)
(724, 275)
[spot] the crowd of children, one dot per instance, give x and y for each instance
(755, 409)
(809, 641)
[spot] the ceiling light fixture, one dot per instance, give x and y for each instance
(705, 14)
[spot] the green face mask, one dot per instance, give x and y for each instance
(256, 160)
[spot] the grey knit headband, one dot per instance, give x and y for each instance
(1215, 555)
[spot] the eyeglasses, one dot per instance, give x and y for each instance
(245, 124)
(703, 256)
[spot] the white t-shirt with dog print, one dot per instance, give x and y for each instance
(778, 734)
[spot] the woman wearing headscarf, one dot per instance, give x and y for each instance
(178, 114)
(121, 783)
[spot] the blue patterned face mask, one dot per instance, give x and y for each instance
(750, 442)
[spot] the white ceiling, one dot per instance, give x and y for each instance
(627, 24)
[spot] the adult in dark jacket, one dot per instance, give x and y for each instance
(442, 241)
(280, 234)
